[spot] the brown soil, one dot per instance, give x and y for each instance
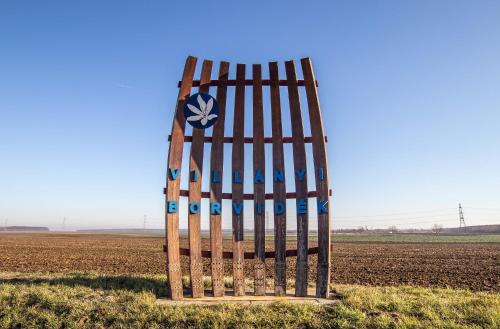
(473, 266)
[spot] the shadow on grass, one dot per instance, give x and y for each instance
(156, 285)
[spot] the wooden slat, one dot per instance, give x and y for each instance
(196, 165)
(248, 82)
(321, 175)
(247, 140)
(215, 194)
(300, 174)
(279, 188)
(249, 254)
(237, 188)
(250, 196)
(174, 283)
(259, 185)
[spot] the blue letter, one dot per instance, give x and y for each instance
(173, 173)
(279, 208)
(321, 175)
(258, 206)
(215, 208)
(194, 175)
(215, 177)
(322, 209)
(194, 208)
(301, 206)
(300, 174)
(237, 207)
(171, 207)
(278, 175)
(236, 177)
(259, 178)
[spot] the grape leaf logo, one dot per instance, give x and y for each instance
(201, 110)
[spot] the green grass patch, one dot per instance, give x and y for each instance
(391, 238)
(80, 300)
(416, 238)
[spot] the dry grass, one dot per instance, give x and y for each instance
(98, 301)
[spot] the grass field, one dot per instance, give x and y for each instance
(82, 300)
(391, 281)
(396, 238)
(416, 238)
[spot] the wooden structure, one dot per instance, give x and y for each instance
(279, 195)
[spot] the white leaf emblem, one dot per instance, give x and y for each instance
(194, 109)
(202, 113)
(202, 103)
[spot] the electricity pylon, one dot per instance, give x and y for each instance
(462, 227)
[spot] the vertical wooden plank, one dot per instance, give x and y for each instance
(174, 283)
(321, 176)
(216, 169)
(195, 179)
(259, 183)
(237, 178)
(300, 167)
(279, 189)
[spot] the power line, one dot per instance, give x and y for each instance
(403, 223)
(483, 209)
(401, 213)
(398, 218)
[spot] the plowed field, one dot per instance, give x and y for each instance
(474, 266)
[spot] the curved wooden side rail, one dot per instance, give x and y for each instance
(321, 177)
(174, 275)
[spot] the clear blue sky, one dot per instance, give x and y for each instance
(410, 93)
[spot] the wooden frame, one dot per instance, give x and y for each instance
(300, 175)
(194, 219)
(259, 184)
(174, 277)
(238, 154)
(279, 188)
(278, 196)
(215, 194)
